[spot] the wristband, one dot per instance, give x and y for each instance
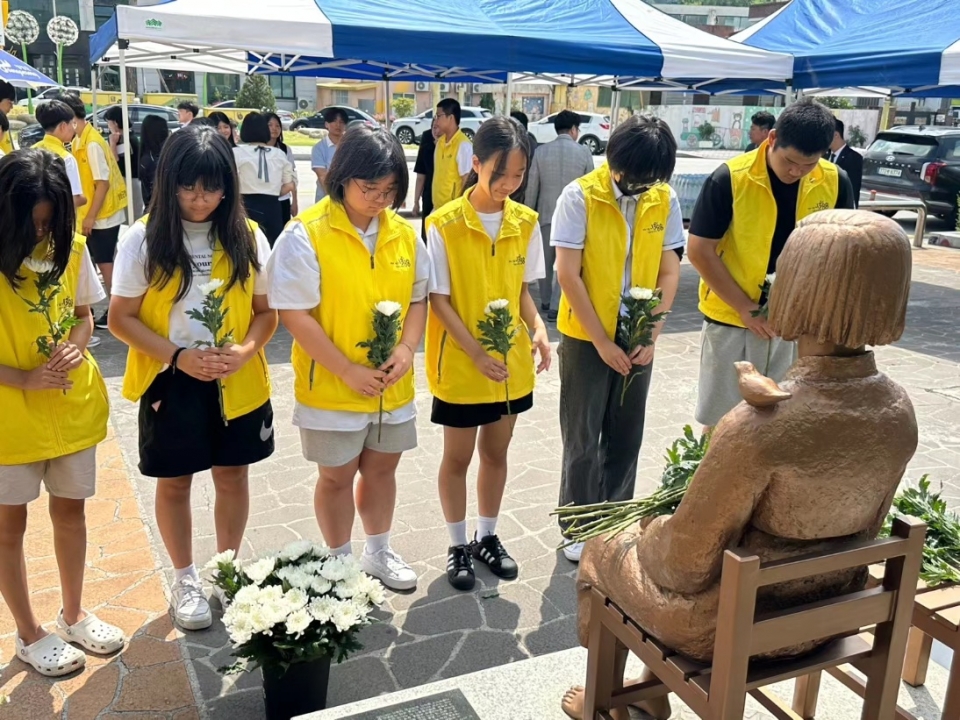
(173, 360)
(408, 348)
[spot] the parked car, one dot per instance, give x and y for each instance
(51, 93)
(409, 130)
(594, 130)
(31, 134)
(918, 162)
(317, 122)
(286, 117)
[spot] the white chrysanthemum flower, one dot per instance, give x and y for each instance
(496, 305)
(321, 609)
(639, 293)
(240, 628)
(247, 595)
(227, 556)
(321, 550)
(771, 278)
(260, 620)
(271, 593)
(371, 589)
(298, 621)
(295, 550)
(38, 266)
(388, 307)
(345, 616)
(347, 588)
(296, 598)
(260, 570)
(351, 567)
(211, 286)
(321, 586)
(334, 570)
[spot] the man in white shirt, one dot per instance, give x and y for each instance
(321, 156)
(186, 112)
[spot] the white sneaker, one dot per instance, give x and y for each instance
(191, 611)
(221, 597)
(572, 552)
(93, 342)
(389, 568)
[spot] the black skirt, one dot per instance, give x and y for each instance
(285, 214)
(265, 210)
(470, 416)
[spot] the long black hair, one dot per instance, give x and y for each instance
(497, 138)
(280, 143)
(27, 178)
(368, 154)
(153, 134)
(197, 155)
(218, 117)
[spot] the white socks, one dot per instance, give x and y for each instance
(486, 526)
(376, 543)
(189, 571)
(342, 550)
(458, 533)
(458, 530)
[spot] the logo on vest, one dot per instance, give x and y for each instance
(402, 264)
(518, 261)
(822, 205)
(655, 227)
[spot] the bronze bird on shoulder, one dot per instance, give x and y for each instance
(756, 389)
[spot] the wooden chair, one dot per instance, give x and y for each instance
(718, 691)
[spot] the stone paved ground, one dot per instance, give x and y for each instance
(433, 633)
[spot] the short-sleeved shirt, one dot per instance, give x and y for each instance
(320, 158)
(713, 212)
(263, 170)
(101, 172)
(294, 272)
(534, 269)
(89, 289)
(569, 224)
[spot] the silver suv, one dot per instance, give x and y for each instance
(409, 130)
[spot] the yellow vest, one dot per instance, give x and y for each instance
(53, 144)
(605, 250)
(116, 199)
(447, 183)
(352, 281)
(38, 425)
(480, 271)
(745, 247)
(6, 144)
(245, 390)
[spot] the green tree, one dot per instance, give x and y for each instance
(404, 107)
(487, 102)
(837, 103)
(256, 94)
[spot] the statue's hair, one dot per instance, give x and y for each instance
(843, 277)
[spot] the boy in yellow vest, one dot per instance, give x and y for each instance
(453, 158)
(7, 97)
(743, 217)
(56, 119)
(106, 191)
(617, 227)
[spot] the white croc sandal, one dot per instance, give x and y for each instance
(91, 633)
(51, 656)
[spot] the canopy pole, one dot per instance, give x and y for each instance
(386, 102)
(508, 103)
(125, 111)
(615, 109)
(96, 83)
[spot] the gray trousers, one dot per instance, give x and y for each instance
(601, 439)
(549, 287)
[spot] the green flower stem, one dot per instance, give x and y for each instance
(766, 368)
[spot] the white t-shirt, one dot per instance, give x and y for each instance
(534, 268)
(263, 169)
(101, 171)
(130, 276)
(465, 158)
(73, 175)
(89, 289)
(293, 166)
(569, 226)
(294, 272)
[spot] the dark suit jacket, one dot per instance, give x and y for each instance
(852, 161)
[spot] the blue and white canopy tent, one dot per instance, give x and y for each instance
(910, 48)
(16, 72)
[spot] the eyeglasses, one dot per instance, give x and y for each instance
(188, 195)
(375, 196)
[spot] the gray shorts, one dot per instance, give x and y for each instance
(73, 477)
(333, 448)
(720, 347)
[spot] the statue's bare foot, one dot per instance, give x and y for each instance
(572, 705)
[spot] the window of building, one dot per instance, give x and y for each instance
(341, 97)
(283, 86)
(605, 97)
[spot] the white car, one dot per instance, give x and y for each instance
(409, 130)
(594, 130)
(51, 93)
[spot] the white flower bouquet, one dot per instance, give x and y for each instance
(497, 333)
(212, 315)
(296, 606)
(386, 334)
(764, 311)
(635, 327)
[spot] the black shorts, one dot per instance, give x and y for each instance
(103, 244)
(185, 434)
(470, 416)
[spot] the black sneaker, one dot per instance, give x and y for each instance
(552, 316)
(491, 552)
(101, 322)
(460, 572)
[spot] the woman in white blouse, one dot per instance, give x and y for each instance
(288, 203)
(265, 175)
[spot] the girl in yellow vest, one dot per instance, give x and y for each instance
(196, 241)
(331, 268)
(54, 410)
(59, 127)
(483, 247)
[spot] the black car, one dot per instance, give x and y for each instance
(317, 122)
(31, 134)
(920, 162)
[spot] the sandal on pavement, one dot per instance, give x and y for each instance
(91, 633)
(51, 656)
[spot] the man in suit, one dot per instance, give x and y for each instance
(556, 164)
(847, 158)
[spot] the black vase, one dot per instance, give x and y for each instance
(300, 690)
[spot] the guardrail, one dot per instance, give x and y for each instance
(916, 206)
